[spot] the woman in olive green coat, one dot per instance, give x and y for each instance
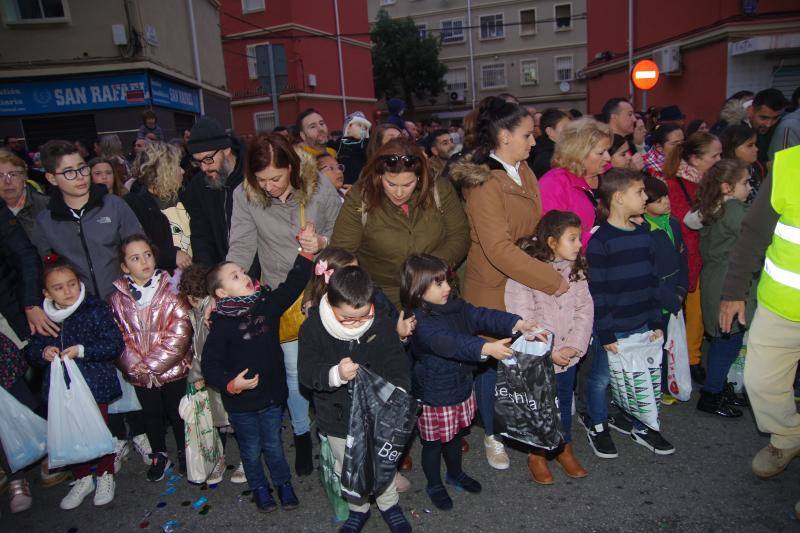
(397, 209)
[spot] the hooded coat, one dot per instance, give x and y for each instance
(500, 212)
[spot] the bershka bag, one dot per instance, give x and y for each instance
(382, 419)
(636, 377)
(526, 395)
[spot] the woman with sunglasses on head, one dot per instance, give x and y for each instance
(282, 205)
(503, 204)
(395, 209)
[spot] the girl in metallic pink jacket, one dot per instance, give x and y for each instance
(155, 324)
(569, 317)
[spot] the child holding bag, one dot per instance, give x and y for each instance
(158, 346)
(346, 330)
(569, 317)
(446, 353)
(89, 336)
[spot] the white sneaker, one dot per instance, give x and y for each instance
(496, 453)
(121, 450)
(238, 475)
(142, 445)
(80, 490)
(105, 489)
(218, 473)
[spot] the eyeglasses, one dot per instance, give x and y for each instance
(12, 175)
(394, 163)
(359, 320)
(208, 160)
(72, 173)
(331, 168)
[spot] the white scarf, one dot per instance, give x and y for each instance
(143, 294)
(57, 314)
(335, 328)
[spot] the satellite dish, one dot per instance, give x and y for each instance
(564, 86)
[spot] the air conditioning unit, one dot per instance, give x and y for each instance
(456, 95)
(668, 59)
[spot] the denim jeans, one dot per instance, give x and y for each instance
(297, 403)
(565, 382)
(256, 432)
(485, 381)
(721, 354)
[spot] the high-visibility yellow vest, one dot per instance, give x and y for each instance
(779, 287)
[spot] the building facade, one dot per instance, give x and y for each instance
(706, 51)
(75, 69)
(321, 57)
(533, 49)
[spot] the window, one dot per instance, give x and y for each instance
(422, 29)
(492, 27)
(528, 72)
(453, 31)
(563, 17)
(493, 76)
(527, 21)
(251, 6)
(264, 121)
(456, 79)
(36, 11)
(252, 69)
(563, 66)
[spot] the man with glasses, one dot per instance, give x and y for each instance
(219, 162)
(83, 223)
(21, 198)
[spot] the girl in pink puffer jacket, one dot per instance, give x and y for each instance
(569, 317)
(158, 353)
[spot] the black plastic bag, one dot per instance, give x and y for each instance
(382, 419)
(526, 396)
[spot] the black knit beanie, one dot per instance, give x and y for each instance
(206, 136)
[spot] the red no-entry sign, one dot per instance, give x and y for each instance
(645, 74)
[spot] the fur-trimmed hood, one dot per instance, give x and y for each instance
(733, 112)
(309, 183)
(464, 173)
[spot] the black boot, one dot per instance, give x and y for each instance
(731, 398)
(303, 460)
(715, 404)
(698, 373)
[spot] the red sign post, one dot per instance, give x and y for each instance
(645, 74)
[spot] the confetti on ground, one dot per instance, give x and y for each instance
(174, 478)
(161, 504)
(170, 490)
(213, 486)
(427, 510)
(204, 486)
(170, 526)
(414, 514)
(144, 525)
(200, 502)
(186, 503)
(72, 530)
(205, 510)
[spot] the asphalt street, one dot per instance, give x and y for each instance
(706, 486)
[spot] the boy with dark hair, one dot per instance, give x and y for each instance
(150, 127)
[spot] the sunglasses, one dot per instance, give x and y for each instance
(396, 162)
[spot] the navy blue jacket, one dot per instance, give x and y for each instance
(672, 267)
(447, 351)
(93, 326)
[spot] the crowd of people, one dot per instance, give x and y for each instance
(267, 270)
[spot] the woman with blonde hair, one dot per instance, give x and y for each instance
(580, 157)
(158, 204)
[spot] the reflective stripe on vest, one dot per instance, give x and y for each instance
(782, 276)
(787, 232)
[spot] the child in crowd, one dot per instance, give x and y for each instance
(88, 335)
(193, 286)
(242, 358)
(671, 261)
(721, 207)
(446, 353)
(623, 281)
(158, 346)
(569, 317)
(345, 330)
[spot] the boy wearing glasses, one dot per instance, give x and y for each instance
(82, 223)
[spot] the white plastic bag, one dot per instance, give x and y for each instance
(203, 445)
(22, 432)
(679, 378)
(128, 401)
(736, 372)
(76, 431)
(636, 377)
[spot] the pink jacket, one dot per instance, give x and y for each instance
(158, 338)
(564, 191)
(568, 316)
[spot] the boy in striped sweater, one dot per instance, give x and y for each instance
(623, 281)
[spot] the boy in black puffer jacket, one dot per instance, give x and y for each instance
(342, 333)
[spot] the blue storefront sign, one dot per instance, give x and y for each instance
(42, 97)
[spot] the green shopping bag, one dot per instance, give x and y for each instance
(331, 481)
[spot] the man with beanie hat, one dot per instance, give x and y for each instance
(396, 108)
(219, 159)
(352, 151)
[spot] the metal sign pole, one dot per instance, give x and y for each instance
(273, 85)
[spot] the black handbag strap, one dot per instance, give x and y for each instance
(683, 188)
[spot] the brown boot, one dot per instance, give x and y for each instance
(569, 463)
(537, 464)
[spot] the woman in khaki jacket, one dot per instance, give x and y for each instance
(503, 205)
(396, 209)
